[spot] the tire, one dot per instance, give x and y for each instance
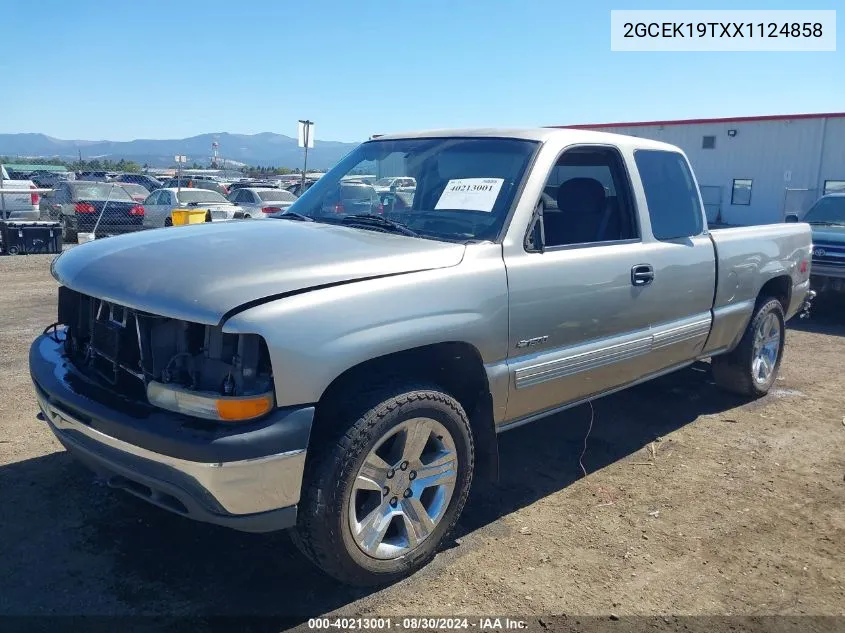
(739, 371)
(334, 504)
(168, 222)
(69, 235)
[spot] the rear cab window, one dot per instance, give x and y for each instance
(672, 197)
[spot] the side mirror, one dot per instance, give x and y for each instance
(792, 217)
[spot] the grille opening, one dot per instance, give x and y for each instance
(123, 350)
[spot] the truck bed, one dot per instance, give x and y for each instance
(747, 258)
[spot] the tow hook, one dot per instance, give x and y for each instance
(808, 301)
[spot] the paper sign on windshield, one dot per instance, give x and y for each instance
(471, 194)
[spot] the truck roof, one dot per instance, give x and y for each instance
(542, 134)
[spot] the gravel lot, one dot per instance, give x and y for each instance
(695, 503)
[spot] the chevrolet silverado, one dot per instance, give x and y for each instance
(347, 375)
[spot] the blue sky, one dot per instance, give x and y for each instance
(164, 69)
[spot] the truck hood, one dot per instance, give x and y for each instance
(201, 273)
(835, 234)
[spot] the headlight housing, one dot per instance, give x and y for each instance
(211, 406)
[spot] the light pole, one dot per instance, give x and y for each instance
(306, 142)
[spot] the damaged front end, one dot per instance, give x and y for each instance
(190, 368)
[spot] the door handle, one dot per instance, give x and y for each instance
(642, 274)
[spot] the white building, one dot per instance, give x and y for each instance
(754, 170)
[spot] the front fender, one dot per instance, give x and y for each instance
(314, 337)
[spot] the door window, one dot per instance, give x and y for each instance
(587, 199)
(671, 194)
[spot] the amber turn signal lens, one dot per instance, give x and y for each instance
(243, 408)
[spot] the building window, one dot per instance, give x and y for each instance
(708, 142)
(741, 192)
(834, 186)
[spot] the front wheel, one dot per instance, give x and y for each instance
(379, 500)
(751, 369)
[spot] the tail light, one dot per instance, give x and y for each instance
(338, 207)
(84, 207)
(34, 197)
(270, 209)
(137, 210)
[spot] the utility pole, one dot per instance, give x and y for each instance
(305, 141)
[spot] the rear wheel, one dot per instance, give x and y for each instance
(751, 368)
(380, 499)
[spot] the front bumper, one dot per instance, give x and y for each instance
(247, 477)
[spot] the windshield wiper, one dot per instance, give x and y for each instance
(379, 221)
(291, 215)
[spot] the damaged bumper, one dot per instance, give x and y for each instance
(244, 476)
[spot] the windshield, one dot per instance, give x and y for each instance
(465, 186)
(100, 191)
(828, 211)
(200, 195)
(274, 196)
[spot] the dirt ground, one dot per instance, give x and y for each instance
(695, 503)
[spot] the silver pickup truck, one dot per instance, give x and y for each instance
(348, 374)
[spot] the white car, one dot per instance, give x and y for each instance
(259, 202)
(160, 203)
(15, 202)
(395, 183)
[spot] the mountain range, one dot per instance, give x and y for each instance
(264, 149)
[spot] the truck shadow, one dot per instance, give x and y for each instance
(72, 547)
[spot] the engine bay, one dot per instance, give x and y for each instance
(128, 349)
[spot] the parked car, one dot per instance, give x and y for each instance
(150, 183)
(95, 176)
(247, 184)
(196, 183)
(82, 205)
(15, 202)
(160, 204)
(136, 192)
(258, 202)
(49, 179)
(827, 219)
(298, 188)
(398, 183)
(349, 377)
(350, 198)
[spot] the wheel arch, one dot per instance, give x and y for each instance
(454, 366)
(778, 287)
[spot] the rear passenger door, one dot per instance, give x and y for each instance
(681, 255)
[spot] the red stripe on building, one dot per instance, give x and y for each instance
(738, 119)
